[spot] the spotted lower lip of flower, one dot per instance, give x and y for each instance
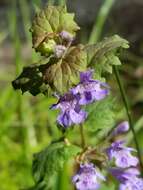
(71, 112)
(88, 177)
(122, 155)
(90, 90)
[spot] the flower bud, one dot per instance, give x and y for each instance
(47, 47)
(121, 128)
(59, 50)
(66, 36)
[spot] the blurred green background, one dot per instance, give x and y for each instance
(26, 123)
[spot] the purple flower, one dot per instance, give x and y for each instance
(66, 36)
(122, 155)
(59, 50)
(122, 175)
(121, 128)
(89, 89)
(71, 112)
(134, 184)
(88, 177)
(129, 179)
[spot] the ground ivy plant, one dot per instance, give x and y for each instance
(75, 75)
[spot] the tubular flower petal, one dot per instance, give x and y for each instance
(71, 112)
(122, 155)
(88, 177)
(90, 90)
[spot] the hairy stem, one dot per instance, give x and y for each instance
(82, 136)
(124, 98)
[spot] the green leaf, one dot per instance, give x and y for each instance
(31, 80)
(51, 160)
(52, 73)
(101, 115)
(104, 53)
(48, 23)
(64, 73)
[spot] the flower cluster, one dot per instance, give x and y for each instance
(86, 92)
(125, 164)
(122, 164)
(123, 167)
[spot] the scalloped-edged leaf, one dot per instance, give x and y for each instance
(65, 72)
(107, 61)
(104, 53)
(53, 74)
(51, 160)
(49, 22)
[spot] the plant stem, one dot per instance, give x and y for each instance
(18, 64)
(24, 8)
(62, 2)
(124, 98)
(82, 136)
(51, 2)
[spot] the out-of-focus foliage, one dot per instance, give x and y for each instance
(51, 160)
